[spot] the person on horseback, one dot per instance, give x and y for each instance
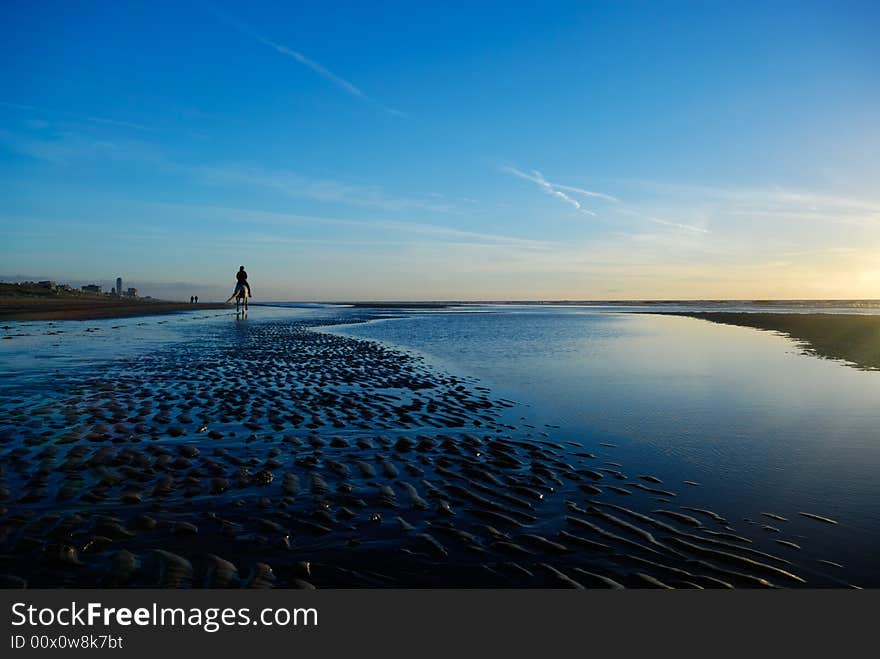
(242, 287)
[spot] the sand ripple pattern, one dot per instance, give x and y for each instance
(272, 454)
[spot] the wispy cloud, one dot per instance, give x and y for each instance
(60, 150)
(65, 147)
(436, 232)
(537, 178)
(322, 71)
(17, 106)
(677, 225)
(656, 220)
(769, 202)
(296, 185)
(586, 193)
(120, 123)
(337, 80)
(556, 189)
(117, 122)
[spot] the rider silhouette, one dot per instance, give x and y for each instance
(242, 288)
(241, 278)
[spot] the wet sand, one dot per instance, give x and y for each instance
(853, 338)
(72, 308)
(274, 454)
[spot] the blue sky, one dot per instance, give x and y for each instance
(444, 151)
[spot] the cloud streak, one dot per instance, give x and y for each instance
(65, 148)
(586, 193)
(17, 106)
(656, 220)
(677, 225)
(91, 119)
(769, 201)
(444, 233)
(559, 191)
(321, 70)
(324, 190)
(60, 150)
(117, 122)
(556, 189)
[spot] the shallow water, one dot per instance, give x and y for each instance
(761, 426)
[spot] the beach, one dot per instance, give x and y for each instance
(278, 452)
(88, 308)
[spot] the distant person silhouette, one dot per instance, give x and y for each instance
(197, 299)
(191, 299)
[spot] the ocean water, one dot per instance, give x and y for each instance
(759, 425)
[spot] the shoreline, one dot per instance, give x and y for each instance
(28, 309)
(722, 306)
(853, 338)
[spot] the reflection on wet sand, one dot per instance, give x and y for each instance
(853, 338)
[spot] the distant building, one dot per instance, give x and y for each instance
(92, 288)
(119, 286)
(48, 284)
(132, 293)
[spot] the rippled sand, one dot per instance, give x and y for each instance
(272, 454)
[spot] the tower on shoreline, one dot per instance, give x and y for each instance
(119, 286)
